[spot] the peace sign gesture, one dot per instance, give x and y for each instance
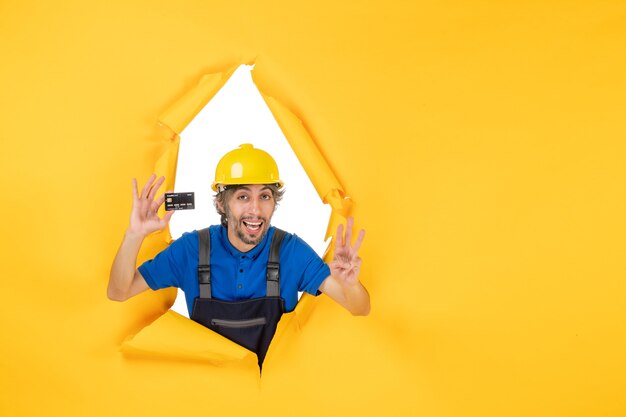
(346, 264)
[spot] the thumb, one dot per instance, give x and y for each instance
(166, 219)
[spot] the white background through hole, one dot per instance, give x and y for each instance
(238, 114)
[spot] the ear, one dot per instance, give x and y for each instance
(220, 205)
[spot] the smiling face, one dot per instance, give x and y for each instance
(248, 211)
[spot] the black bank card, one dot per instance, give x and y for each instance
(179, 201)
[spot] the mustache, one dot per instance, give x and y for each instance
(252, 218)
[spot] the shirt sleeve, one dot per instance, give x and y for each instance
(168, 268)
(314, 269)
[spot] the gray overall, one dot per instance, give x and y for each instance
(250, 323)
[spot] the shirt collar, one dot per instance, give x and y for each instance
(252, 253)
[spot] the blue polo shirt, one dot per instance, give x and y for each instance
(236, 275)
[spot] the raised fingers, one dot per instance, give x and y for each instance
(347, 240)
(359, 241)
(166, 218)
(146, 188)
(155, 187)
(160, 200)
(339, 235)
(349, 230)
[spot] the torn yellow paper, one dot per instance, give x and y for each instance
(176, 118)
(321, 175)
(179, 114)
(304, 147)
(494, 212)
(176, 337)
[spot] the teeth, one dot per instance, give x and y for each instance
(252, 226)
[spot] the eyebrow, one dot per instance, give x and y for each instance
(245, 187)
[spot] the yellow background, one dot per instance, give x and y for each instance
(483, 143)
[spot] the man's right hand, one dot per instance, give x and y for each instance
(144, 218)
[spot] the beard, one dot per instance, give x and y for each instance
(237, 224)
(249, 240)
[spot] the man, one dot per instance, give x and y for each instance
(241, 276)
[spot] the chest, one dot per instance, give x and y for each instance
(238, 277)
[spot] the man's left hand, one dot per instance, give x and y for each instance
(346, 264)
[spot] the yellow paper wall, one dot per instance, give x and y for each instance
(483, 145)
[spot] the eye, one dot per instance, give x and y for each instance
(266, 197)
(242, 197)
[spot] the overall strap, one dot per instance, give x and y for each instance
(273, 265)
(204, 260)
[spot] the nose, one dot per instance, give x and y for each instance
(255, 206)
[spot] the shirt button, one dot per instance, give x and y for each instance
(240, 286)
(241, 270)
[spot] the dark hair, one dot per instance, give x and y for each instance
(224, 196)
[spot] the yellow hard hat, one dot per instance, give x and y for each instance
(246, 165)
